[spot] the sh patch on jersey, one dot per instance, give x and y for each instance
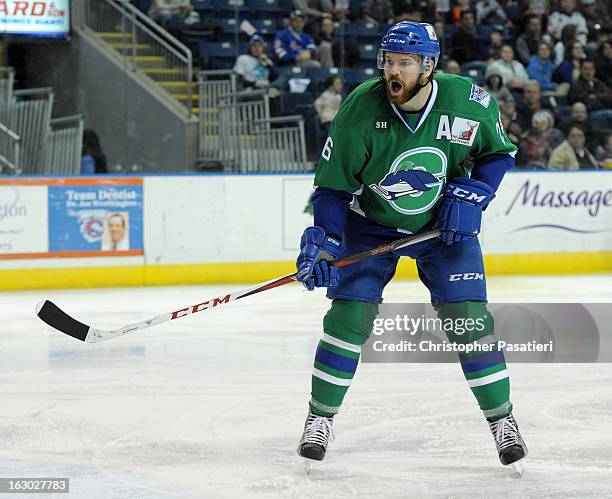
(415, 180)
(480, 95)
(464, 131)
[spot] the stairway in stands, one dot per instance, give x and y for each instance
(154, 66)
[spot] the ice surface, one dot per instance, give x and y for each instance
(213, 405)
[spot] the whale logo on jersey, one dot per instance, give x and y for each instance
(405, 182)
(414, 181)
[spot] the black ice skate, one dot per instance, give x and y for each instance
(509, 442)
(318, 432)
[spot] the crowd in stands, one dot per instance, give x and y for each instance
(547, 62)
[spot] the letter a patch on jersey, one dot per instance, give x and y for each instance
(464, 131)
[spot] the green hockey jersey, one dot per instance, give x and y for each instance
(398, 171)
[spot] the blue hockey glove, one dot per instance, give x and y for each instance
(312, 268)
(460, 213)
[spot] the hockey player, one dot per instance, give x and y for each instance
(393, 164)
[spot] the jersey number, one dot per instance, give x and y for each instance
(500, 129)
(327, 148)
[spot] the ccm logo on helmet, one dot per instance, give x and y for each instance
(470, 276)
(467, 195)
(396, 40)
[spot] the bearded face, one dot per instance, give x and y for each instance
(403, 76)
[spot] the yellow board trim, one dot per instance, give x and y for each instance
(253, 272)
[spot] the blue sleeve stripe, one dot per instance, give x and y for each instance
(335, 361)
(330, 208)
(491, 169)
(483, 361)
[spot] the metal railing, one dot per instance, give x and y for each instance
(211, 86)
(63, 149)
(7, 77)
(143, 43)
(9, 151)
(251, 141)
(29, 116)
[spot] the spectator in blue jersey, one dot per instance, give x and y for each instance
(541, 69)
(292, 46)
(93, 159)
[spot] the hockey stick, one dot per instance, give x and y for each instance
(55, 317)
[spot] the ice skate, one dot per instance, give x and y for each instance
(318, 432)
(510, 444)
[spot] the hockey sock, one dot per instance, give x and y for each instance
(485, 371)
(346, 327)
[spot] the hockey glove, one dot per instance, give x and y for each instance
(460, 213)
(312, 267)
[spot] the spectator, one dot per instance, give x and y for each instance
(93, 159)
(511, 127)
(452, 67)
(329, 48)
(569, 70)
(568, 37)
(328, 103)
(603, 153)
(572, 153)
(314, 10)
(255, 69)
(567, 14)
(490, 12)
(596, 15)
(377, 11)
(603, 62)
(164, 11)
(541, 69)
(578, 116)
(527, 42)
(495, 86)
(496, 41)
(531, 104)
(512, 71)
(292, 46)
(590, 90)
(534, 150)
(441, 35)
(466, 46)
(544, 121)
(458, 9)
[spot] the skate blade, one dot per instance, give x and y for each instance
(519, 468)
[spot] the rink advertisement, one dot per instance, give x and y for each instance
(551, 211)
(71, 218)
(40, 18)
(23, 219)
(96, 219)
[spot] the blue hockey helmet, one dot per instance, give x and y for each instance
(408, 37)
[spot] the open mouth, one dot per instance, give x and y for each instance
(396, 87)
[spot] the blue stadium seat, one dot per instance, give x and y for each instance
(223, 7)
(600, 120)
(475, 70)
(266, 26)
(222, 55)
(355, 76)
(227, 24)
(202, 6)
(365, 31)
(318, 78)
(267, 8)
(368, 52)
